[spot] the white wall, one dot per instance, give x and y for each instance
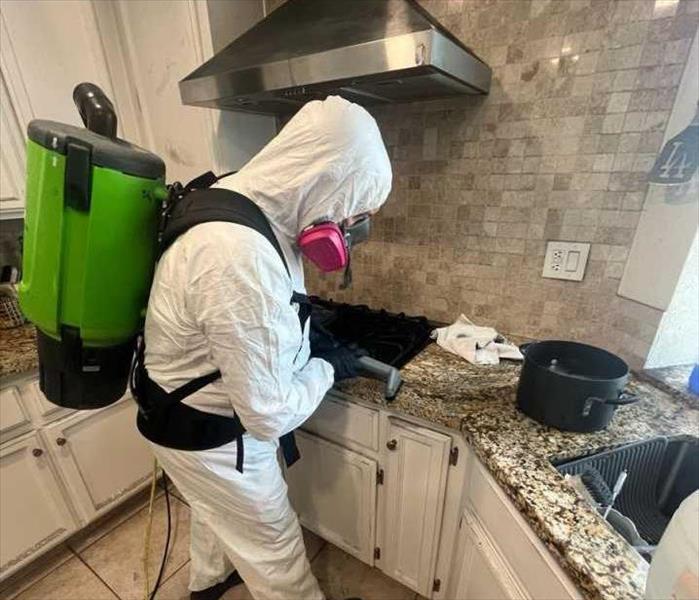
(164, 41)
(238, 136)
(677, 339)
(137, 51)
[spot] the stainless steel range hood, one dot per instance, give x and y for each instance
(369, 51)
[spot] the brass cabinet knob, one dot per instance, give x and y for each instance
(392, 444)
(37, 452)
(61, 441)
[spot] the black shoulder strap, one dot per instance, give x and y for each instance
(163, 418)
(216, 204)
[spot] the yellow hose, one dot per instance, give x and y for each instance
(149, 527)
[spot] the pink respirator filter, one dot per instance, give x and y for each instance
(324, 245)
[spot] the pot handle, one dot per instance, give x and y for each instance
(624, 398)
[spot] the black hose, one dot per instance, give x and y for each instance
(167, 539)
(96, 110)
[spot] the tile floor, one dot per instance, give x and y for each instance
(105, 562)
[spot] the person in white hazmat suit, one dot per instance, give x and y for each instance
(220, 300)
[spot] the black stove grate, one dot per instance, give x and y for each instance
(391, 338)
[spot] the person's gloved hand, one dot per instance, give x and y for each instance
(321, 339)
(344, 359)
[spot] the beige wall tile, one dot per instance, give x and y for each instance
(560, 149)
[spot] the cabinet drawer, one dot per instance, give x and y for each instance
(14, 419)
(346, 423)
(521, 548)
(44, 410)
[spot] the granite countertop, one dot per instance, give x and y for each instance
(674, 380)
(18, 350)
(480, 402)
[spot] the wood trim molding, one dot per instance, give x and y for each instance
(13, 212)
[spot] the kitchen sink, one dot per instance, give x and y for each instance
(662, 472)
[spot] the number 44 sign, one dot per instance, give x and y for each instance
(679, 158)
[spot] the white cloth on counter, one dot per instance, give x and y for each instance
(478, 345)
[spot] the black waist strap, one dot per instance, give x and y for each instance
(165, 420)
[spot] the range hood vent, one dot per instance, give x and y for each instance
(369, 51)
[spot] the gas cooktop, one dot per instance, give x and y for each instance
(394, 339)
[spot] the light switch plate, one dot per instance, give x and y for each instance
(566, 260)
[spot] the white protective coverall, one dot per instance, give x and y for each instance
(221, 300)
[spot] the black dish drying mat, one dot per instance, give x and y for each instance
(638, 498)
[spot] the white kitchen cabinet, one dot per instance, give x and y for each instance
(47, 49)
(412, 503)
(34, 513)
(480, 572)
(11, 157)
(101, 456)
(60, 469)
(43, 410)
(14, 418)
(333, 490)
(508, 541)
(128, 48)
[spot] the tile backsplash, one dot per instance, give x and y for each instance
(560, 150)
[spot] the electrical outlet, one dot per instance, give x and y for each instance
(566, 260)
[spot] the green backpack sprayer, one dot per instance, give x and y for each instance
(90, 243)
(98, 216)
(95, 206)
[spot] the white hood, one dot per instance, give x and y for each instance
(328, 163)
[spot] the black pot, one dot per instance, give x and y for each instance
(572, 386)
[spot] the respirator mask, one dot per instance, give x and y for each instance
(328, 245)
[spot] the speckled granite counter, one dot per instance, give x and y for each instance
(674, 380)
(480, 402)
(18, 350)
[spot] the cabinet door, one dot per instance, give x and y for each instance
(333, 490)
(11, 157)
(33, 511)
(14, 419)
(412, 503)
(101, 455)
(44, 411)
(40, 67)
(481, 573)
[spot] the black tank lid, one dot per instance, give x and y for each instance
(110, 153)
